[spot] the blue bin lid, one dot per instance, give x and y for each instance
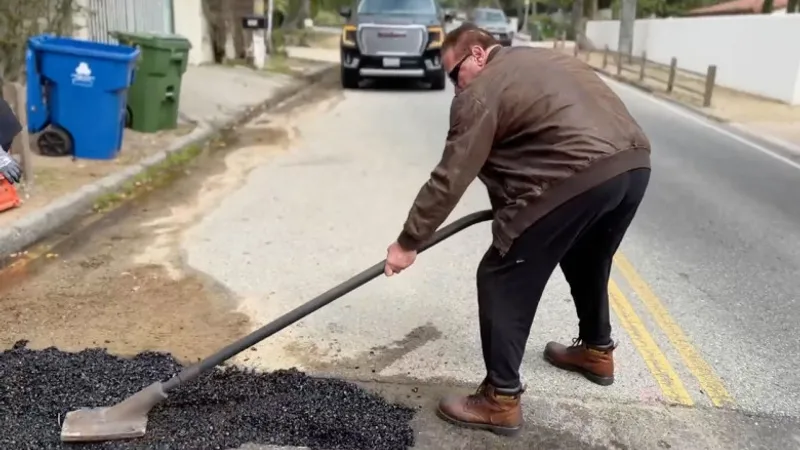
(80, 47)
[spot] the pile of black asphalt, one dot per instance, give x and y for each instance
(224, 409)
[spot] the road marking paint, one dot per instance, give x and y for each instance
(711, 384)
(663, 372)
(706, 123)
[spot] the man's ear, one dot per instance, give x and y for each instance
(480, 55)
(476, 52)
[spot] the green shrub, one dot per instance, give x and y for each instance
(328, 19)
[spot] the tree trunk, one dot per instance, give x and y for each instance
(305, 12)
(577, 21)
(767, 7)
(793, 6)
(230, 31)
(297, 11)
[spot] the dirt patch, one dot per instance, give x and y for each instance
(97, 301)
(122, 284)
(126, 288)
(57, 176)
(256, 146)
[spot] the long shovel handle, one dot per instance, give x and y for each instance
(305, 309)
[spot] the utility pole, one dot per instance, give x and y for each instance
(525, 19)
(270, 11)
(577, 21)
(627, 19)
(259, 38)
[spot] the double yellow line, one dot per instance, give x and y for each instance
(664, 373)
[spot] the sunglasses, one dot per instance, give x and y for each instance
(453, 74)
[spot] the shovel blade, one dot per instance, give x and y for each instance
(98, 424)
(125, 420)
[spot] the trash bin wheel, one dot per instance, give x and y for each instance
(55, 141)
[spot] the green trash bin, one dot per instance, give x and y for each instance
(154, 97)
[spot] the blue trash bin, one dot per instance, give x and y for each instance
(77, 95)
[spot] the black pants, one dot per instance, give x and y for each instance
(9, 125)
(582, 236)
(6, 145)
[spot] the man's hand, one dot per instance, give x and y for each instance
(398, 259)
(9, 168)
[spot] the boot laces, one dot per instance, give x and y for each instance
(478, 396)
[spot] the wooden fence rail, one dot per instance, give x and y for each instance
(642, 64)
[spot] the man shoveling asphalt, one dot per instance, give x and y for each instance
(566, 167)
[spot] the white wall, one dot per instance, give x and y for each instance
(756, 53)
(191, 23)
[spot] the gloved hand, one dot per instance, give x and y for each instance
(9, 168)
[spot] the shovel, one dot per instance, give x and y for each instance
(128, 418)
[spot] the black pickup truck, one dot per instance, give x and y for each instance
(393, 39)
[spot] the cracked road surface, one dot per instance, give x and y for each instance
(704, 289)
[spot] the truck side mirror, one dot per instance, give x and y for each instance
(345, 12)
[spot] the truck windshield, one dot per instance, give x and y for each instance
(412, 7)
(491, 16)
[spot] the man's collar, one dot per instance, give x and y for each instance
(493, 51)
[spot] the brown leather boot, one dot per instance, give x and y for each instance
(486, 409)
(593, 362)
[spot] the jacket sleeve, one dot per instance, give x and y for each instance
(469, 141)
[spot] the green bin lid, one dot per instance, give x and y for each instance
(154, 40)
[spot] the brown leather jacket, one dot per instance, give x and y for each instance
(537, 127)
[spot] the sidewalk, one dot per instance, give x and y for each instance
(325, 49)
(212, 97)
(763, 117)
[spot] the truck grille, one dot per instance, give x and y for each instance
(391, 40)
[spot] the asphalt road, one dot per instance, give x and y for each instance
(704, 292)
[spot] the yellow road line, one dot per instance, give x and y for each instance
(663, 372)
(711, 384)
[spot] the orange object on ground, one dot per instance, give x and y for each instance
(8, 195)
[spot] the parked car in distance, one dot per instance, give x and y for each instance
(495, 22)
(393, 39)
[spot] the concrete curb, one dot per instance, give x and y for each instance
(37, 225)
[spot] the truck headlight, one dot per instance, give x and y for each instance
(349, 35)
(435, 37)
